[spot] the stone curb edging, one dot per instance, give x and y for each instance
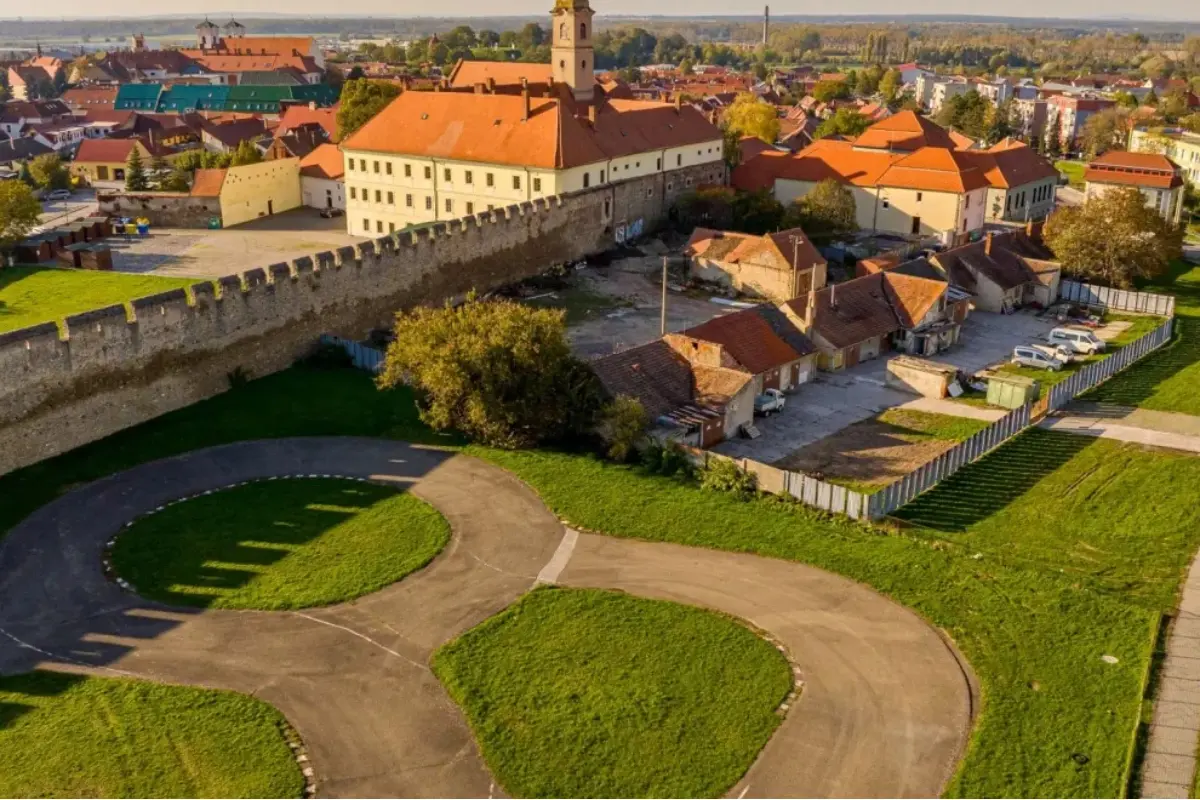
(290, 735)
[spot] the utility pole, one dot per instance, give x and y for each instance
(663, 319)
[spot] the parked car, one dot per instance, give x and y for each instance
(769, 402)
(1036, 356)
(330, 213)
(1078, 340)
(59, 194)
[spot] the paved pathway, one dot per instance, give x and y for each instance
(885, 710)
(1169, 764)
(934, 405)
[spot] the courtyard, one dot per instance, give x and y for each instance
(835, 400)
(198, 253)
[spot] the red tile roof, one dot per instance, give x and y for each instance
(104, 151)
(748, 339)
(295, 116)
(904, 131)
(774, 249)
(208, 183)
(1150, 170)
(325, 161)
(934, 169)
(1009, 164)
(824, 158)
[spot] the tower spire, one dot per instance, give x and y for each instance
(571, 54)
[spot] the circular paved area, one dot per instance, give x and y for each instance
(885, 710)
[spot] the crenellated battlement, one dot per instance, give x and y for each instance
(72, 381)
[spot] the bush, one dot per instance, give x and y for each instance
(724, 475)
(622, 426)
(667, 460)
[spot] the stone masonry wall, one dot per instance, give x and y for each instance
(111, 368)
(164, 210)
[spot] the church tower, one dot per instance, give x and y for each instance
(571, 47)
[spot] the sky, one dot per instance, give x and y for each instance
(1086, 9)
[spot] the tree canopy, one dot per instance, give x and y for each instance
(19, 211)
(844, 122)
(48, 172)
(362, 99)
(1103, 131)
(749, 116)
(1113, 238)
(826, 213)
(135, 172)
(499, 372)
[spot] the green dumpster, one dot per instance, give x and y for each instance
(1011, 391)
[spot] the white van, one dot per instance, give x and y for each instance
(1032, 355)
(1079, 340)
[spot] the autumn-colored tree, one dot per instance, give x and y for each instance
(246, 153)
(824, 91)
(1113, 238)
(499, 372)
(48, 172)
(1103, 131)
(890, 83)
(749, 116)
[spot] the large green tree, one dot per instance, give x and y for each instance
(826, 213)
(135, 172)
(500, 372)
(19, 211)
(362, 99)
(1113, 238)
(48, 172)
(750, 116)
(844, 122)
(246, 153)
(1103, 131)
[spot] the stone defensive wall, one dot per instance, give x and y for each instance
(66, 383)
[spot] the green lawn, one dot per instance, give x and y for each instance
(67, 735)
(1031, 620)
(919, 426)
(1139, 327)
(1074, 172)
(580, 304)
(1168, 379)
(618, 696)
(32, 295)
(280, 544)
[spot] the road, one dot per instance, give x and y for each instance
(885, 710)
(54, 213)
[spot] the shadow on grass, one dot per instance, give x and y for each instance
(984, 488)
(39, 683)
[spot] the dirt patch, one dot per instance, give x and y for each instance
(866, 455)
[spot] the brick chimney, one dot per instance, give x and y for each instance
(491, 85)
(987, 244)
(525, 99)
(479, 88)
(810, 311)
(591, 112)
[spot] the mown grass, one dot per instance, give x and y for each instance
(1074, 172)
(280, 545)
(74, 736)
(1166, 380)
(1056, 719)
(618, 696)
(919, 426)
(580, 304)
(31, 295)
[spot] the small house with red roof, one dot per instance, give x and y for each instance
(777, 266)
(1157, 177)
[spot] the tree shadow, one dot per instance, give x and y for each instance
(979, 490)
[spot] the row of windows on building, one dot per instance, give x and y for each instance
(489, 178)
(1039, 194)
(384, 197)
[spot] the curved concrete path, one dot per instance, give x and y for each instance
(885, 710)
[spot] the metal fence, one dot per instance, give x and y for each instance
(1097, 372)
(1109, 299)
(904, 490)
(364, 357)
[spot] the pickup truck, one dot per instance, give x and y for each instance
(769, 402)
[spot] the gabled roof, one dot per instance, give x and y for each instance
(1009, 164)
(748, 339)
(935, 169)
(851, 312)
(208, 183)
(231, 134)
(105, 151)
(466, 74)
(775, 250)
(653, 373)
(1006, 262)
(904, 131)
(823, 159)
(325, 161)
(21, 149)
(492, 129)
(912, 297)
(295, 116)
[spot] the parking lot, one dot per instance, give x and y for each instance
(214, 253)
(837, 399)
